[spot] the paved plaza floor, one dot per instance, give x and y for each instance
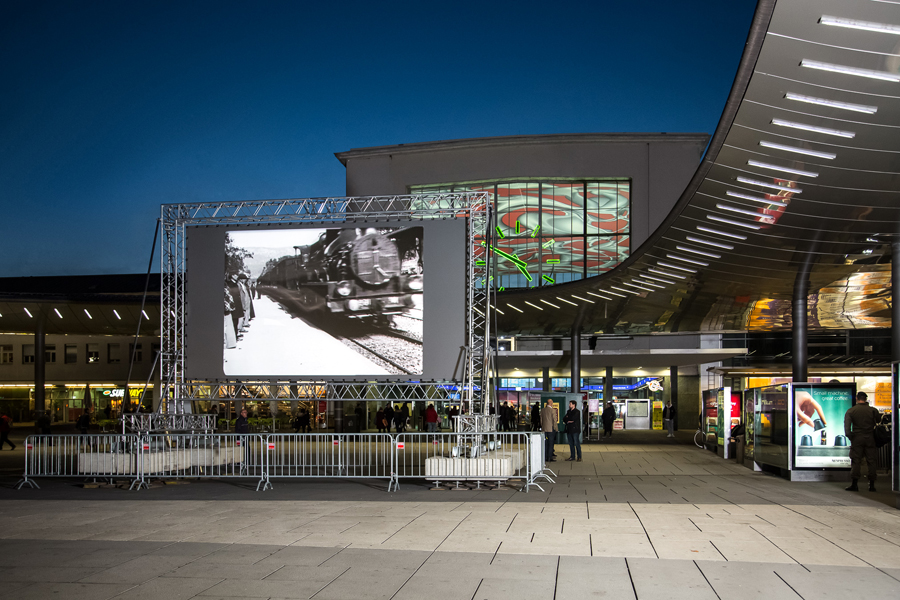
(633, 520)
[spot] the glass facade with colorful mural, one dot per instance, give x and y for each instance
(552, 231)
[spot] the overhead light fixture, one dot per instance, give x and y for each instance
(743, 211)
(498, 310)
(732, 222)
(666, 281)
(695, 251)
(625, 290)
(550, 304)
(514, 308)
(599, 296)
(56, 310)
(28, 312)
(666, 273)
(766, 184)
(863, 25)
(862, 108)
(566, 301)
(736, 236)
(845, 70)
(697, 240)
(638, 287)
(753, 198)
(676, 267)
(144, 312)
(796, 150)
(615, 293)
(88, 314)
(583, 299)
(687, 260)
(814, 129)
(117, 314)
(534, 305)
(762, 165)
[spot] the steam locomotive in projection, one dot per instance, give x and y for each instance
(355, 272)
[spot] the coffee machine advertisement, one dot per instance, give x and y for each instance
(819, 440)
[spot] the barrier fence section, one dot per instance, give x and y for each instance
(457, 457)
(436, 457)
(99, 456)
(359, 455)
(204, 455)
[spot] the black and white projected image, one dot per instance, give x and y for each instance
(324, 302)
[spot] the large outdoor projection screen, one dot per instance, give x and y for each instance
(337, 300)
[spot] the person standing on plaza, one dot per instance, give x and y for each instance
(859, 426)
(379, 421)
(549, 420)
(573, 430)
(5, 427)
(669, 418)
(535, 417)
(608, 416)
(431, 419)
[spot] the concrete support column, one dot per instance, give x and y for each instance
(895, 306)
(576, 361)
(40, 362)
(607, 386)
(799, 308)
(338, 416)
(673, 390)
(545, 383)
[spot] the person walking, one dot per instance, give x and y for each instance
(379, 421)
(5, 427)
(431, 419)
(608, 417)
(573, 430)
(859, 426)
(549, 420)
(669, 418)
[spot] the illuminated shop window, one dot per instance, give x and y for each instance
(551, 231)
(92, 353)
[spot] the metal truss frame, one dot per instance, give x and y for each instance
(475, 208)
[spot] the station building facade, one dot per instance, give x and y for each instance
(574, 206)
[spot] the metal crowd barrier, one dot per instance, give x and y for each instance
(298, 455)
(98, 456)
(437, 457)
(459, 457)
(199, 455)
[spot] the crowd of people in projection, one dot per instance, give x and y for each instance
(240, 291)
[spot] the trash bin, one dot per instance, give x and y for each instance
(739, 449)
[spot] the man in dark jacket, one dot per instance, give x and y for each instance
(535, 417)
(669, 418)
(608, 417)
(859, 426)
(241, 424)
(573, 430)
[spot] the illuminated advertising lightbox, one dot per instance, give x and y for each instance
(326, 301)
(819, 440)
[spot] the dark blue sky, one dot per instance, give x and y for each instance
(110, 109)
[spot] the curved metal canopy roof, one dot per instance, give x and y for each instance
(803, 172)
